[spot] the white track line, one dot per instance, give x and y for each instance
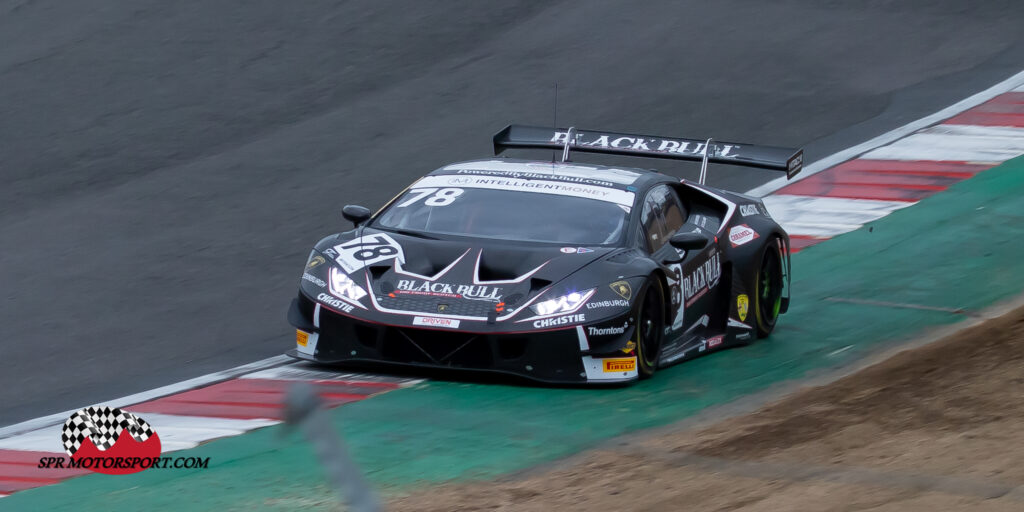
(46, 439)
(826, 217)
(170, 389)
(291, 372)
(1015, 82)
(966, 143)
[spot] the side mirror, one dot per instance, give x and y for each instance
(688, 241)
(355, 214)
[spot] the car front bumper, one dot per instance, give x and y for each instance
(550, 356)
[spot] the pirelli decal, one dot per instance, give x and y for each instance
(619, 364)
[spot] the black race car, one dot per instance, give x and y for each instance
(555, 271)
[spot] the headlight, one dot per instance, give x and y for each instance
(568, 303)
(342, 286)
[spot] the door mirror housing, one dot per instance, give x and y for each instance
(674, 257)
(688, 241)
(355, 214)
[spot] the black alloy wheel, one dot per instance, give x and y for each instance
(650, 328)
(768, 293)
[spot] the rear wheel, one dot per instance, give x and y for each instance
(768, 288)
(650, 328)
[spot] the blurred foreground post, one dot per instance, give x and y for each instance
(303, 408)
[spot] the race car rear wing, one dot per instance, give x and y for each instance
(789, 160)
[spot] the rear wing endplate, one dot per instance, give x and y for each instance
(789, 160)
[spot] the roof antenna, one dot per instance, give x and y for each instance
(570, 139)
(704, 162)
(554, 121)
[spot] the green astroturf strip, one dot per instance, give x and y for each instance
(958, 249)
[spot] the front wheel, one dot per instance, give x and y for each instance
(768, 288)
(650, 328)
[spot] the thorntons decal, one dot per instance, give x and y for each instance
(607, 331)
(412, 286)
(653, 145)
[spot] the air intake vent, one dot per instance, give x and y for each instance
(378, 271)
(424, 265)
(498, 269)
(537, 285)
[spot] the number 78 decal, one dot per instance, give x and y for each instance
(367, 250)
(438, 197)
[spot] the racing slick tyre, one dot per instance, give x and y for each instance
(768, 288)
(650, 328)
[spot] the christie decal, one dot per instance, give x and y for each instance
(334, 302)
(559, 320)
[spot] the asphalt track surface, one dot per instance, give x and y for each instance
(166, 166)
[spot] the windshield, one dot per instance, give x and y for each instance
(507, 215)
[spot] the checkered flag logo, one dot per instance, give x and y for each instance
(104, 426)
